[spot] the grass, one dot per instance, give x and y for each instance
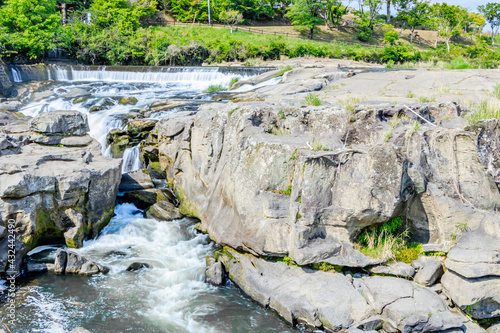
(317, 145)
(313, 99)
(394, 123)
(282, 71)
(385, 242)
(483, 110)
(215, 88)
(233, 81)
(349, 103)
(443, 89)
(423, 99)
(410, 94)
(496, 91)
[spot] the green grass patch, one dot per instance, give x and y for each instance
(215, 88)
(313, 99)
(233, 81)
(483, 110)
(282, 71)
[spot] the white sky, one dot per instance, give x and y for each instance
(469, 4)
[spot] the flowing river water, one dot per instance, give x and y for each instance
(172, 295)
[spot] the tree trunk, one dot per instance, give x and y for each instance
(402, 28)
(412, 33)
(231, 29)
(311, 33)
(437, 40)
(447, 40)
(388, 20)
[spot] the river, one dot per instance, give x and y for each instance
(169, 297)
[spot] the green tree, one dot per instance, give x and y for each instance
(413, 13)
(333, 12)
(390, 35)
(29, 27)
(231, 18)
(190, 10)
(448, 20)
(491, 12)
(306, 15)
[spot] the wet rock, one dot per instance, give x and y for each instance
(162, 105)
(163, 211)
(214, 273)
(68, 141)
(128, 101)
(80, 330)
(399, 269)
(138, 266)
(60, 261)
(81, 99)
(39, 267)
(76, 93)
(141, 125)
(96, 108)
(39, 96)
(411, 307)
(143, 199)
(68, 262)
(66, 123)
(317, 298)
(429, 274)
(136, 180)
(3, 232)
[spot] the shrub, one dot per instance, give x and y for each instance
(215, 88)
(313, 99)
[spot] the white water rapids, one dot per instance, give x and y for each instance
(169, 297)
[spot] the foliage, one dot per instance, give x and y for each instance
(190, 10)
(390, 35)
(386, 243)
(233, 81)
(313, 99)
(448, 20)
(231, 18)
(400, 53)
(483, 110)
(335, 11)
(282, 71)
(28, 27)
(491, 12)
(215, 88)
(306, 15)
(413, 13)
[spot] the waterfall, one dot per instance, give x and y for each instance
(131, 160)
(16, 75)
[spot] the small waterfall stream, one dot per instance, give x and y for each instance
(169, 297)
(16, 75)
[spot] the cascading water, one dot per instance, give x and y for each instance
(16, 75)
(131, 160)
(169, 297)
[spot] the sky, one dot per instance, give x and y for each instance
(469, 4)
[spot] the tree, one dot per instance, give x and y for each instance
(388, 19)
(306, 15)
(231, 18)
(333, 12)
(413, 13)
(449, 20)
(190, 10)
(28, 26)
(491, 12)
(390, 35)
(374, 7)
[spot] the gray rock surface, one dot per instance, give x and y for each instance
(136, 180)
(163, 211)
(472, 279)
(399, 269)
(80, 330)
(68, 262)
(135, 266)
(65, 123)
(429, 274)
(214, 273)
(495, 328)
(298, 294)
(411, 307)
(55, 193)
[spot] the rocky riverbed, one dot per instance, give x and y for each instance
(286, 178)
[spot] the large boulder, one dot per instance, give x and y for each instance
(276, 180)
(472, 279)
(68, 262)
(56, 193)
(5, 83)
(65, 123)
(317, 298)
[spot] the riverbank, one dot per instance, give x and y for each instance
(293, 171)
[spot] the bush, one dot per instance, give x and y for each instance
(365, 34)
(399, 53)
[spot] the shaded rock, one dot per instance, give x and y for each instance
(135, 180)
(3, 232)
(399, 269)
(429, 274)
(39, 96)
(163, 211)
(60, 123)
(128, 101)
(74, 263)
(162, 105)
(137, 266)
(76, 93)
(39, 268)
(96, 108)
(411, 307)
(214, 273)
(81, 99)
(142, 199)
(68, 141)
(60, 261)
(317, 298)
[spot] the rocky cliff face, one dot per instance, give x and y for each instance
(5, 84)
(55, 186)
(276, 177)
